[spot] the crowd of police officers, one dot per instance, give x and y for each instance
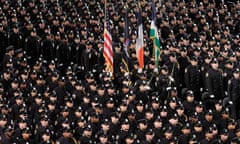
(53, 87)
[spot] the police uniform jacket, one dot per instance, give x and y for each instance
(234, 88)
(17, 40)
(205, 141)
(122, 135)
(48, 49)
(26, 141)
(189, 108)
(214, 82)
(193, 78)
(204, 69)
(3, 43)
(183, 139)
(162, 84)
(5, 60)
(46, 142)
(33, 47)
(63, 50)
(5, 140)
(63, 140)
(183, 62)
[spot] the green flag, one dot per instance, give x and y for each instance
(154, 36)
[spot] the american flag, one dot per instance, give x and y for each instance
(107, 51)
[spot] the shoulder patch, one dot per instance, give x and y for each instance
(186, 70)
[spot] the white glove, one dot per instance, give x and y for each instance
(147, 87)
(211, 96)
(171, 78)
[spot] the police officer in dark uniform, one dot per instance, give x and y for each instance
(168, 135)
(35, 106)
(118, 56)
(62, 49)
(158, 127)
(142, 91)
(227, 73)
(130, 139)
(163, 82)
(233, 91)
(198, 131)
(46, 138)
(208, 119)
(208, 136)
(41, 128)
(80, 125)
(189, 103)
(124, 131)
(105, 128)
(41, 28)
(214, 80)
(33, 46)
(109, 107)
(60, 91)
(224, 138)
(87, 136)
(141, 129)
(8, 55)
(183, 60)
(77, 55)
(205, 66)
(173, 122)
(3, 125)
(4, 41)
(186, 131)
(174, 68)
(149, 137)
(104, 139)
(26, 136)
(16, 38)
(27, 28)
(66, 137)
(78, 93)
(17, 59)
(17, 107)
(6, 137)
(6, 79)
(90, 56)
(48, 47)
(193, 78)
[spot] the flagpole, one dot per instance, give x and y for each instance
(105, 11)
(125, 59)
(153, 50)
(104, 27)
